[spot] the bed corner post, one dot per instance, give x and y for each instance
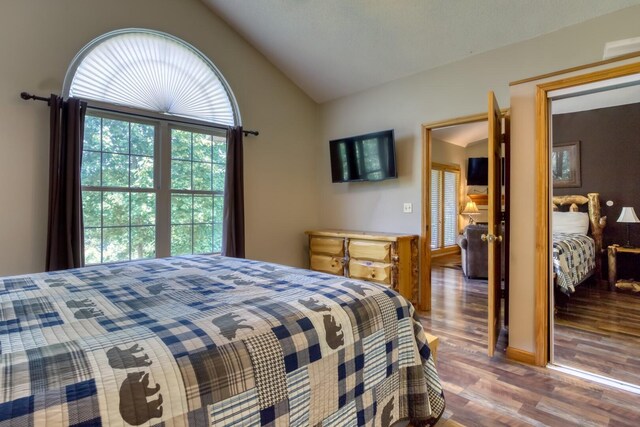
(598, 223)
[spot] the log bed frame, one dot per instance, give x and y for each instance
(597, 222)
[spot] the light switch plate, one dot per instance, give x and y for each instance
(407, 208)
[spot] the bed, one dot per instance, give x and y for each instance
(577, 240)
(209, 340)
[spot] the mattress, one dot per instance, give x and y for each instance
(573, 260)
(208, 340)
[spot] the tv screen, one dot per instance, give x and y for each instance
(478, 171)
(370, 157)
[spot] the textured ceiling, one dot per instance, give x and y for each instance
(333, 48)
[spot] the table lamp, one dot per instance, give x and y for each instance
(470, 210)
(628, 216)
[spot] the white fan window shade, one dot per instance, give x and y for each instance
(153, 71)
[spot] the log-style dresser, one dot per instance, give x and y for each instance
(387, 258)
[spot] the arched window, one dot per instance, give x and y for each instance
(152, 71)
(154, 153)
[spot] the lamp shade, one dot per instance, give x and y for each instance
(470, 208)
(628, 215)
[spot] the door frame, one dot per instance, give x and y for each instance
(424, 303)
(542, 269)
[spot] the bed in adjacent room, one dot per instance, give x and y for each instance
(574, 260)
(577, 241)
(208, 340)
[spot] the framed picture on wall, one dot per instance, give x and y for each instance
(565, 164)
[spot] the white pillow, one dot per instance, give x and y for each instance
(570, 222)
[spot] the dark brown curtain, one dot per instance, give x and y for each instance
(233, 226)
(65, 237)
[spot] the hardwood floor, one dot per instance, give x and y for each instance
(598, 331)
(496, 392)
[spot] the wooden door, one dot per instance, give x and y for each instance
(494, 236)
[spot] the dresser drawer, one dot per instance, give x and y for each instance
(370, 250)
(386, 258)
(373, 271)
(327, 264)
(327, 245)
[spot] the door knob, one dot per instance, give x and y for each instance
(491, 238)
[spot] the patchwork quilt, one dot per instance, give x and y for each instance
(208, 340)
(574, 259)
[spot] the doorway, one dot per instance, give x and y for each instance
(591, 332)
(448, 207)
(595, 322)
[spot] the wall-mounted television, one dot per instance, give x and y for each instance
(370, 157)
(478, 171)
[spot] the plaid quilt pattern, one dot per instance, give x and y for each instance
(27, 314)
(218, 374)
(299, 397)
(10, 285)
(574, 259)
(74, 405)
(200, 340)
(44, 368)
(299, 342)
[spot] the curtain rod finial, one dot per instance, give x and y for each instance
(26, 96)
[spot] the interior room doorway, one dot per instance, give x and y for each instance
(598, 83)
(449, 205)
(594, 299)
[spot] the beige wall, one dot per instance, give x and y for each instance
(478, 148)
(39, 38)
(455, 90)
(449, 154)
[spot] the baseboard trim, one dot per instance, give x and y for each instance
(521, 356)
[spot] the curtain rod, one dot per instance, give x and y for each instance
(27, 96)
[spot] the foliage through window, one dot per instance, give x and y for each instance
(197, 184)
(126, 200)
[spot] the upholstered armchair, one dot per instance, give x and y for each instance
(475, 252)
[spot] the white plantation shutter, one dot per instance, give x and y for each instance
(435, 208)
(450, 208)
(444, 206)
(152, 71)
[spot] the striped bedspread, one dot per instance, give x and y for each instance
(573, 260)
(208, 340)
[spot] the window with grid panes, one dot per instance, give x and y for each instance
(151, 188)
(445, 181)
(197, 185)
(118, 193)
(123, 187)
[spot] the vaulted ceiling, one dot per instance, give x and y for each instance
(333, 48)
